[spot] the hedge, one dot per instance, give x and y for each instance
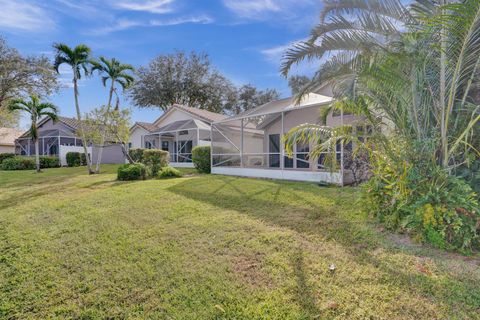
(18, 163)
(169, 172)
(201, 158)
(48, 162)
(155, 160)
(128, 172)
(4, 156)
(76, 159)
(136, 154)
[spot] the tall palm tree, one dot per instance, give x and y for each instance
(37, 110)
(415, 66)
(79, 60)
(117, 73)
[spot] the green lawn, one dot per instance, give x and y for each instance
(212, 247)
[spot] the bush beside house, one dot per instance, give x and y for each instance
(155, 160)
(28, 163)
(136, 154)
(129, 172)
(169, 172)
(201, 158)
(76, 159)
(4, 156)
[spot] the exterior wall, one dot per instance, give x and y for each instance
(7, 149)
(65, 149)
(112, 154)
(50, 125)
(136, 137)
(294, 175)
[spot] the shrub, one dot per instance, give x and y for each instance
(18, 163)
(201, 158)
(155, 160)
(48, 162)
(76, 159)
(128, 172)
(4, 156)
(136, 154)
(169, 172)
(436, 208)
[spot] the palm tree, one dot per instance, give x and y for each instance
(117, 73)
(37, 110)
(387, 55)
(78, 59)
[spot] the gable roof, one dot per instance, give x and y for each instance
(201, 113)
(145, 125)
(72, 123)
(8, 136)
(282, 105)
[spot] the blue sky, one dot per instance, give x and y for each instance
(244, 38)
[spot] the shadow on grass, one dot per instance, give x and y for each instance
(304, 293)
(295, 206)
(268, 204)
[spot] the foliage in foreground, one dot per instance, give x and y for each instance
(412, 73)
(201, 158)
(153, 159)
(4, 156)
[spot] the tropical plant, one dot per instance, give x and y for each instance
(117, 73)
(78, 58)
(36, 109)
(413, 73)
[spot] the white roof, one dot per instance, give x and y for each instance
(283, 105)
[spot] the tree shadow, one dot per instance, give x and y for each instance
(304, 293)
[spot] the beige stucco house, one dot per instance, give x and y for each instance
(250, 144)
(7, 139)
(177, 130)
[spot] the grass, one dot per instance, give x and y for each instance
(212, 247)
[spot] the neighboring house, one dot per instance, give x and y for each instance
(60, 137)
(250, 144)
(177, 131)
(7, 139)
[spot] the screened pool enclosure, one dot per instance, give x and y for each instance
(250, 144)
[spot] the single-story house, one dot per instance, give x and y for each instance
(177, 130)
(57, 138)
(250, 144)
(7, 139)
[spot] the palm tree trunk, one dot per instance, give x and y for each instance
(102, 141)
(443, 93)
(37, 156)
(79, 118)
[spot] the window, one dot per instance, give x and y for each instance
(302, 155)
(274, 150)
(150, 144)
(129, 145)
(185, 151)
(183, 132)
(165, 145)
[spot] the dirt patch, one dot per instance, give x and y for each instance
(248, 269)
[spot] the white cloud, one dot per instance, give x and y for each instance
(23, 15)
(275, 55)
(152, 6)
(124, 24)
(202, 19)
(251, 8)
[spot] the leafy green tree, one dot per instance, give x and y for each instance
(249, 97)
(79, 60)
(117, 73)
(36, 109)
(21, 76)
